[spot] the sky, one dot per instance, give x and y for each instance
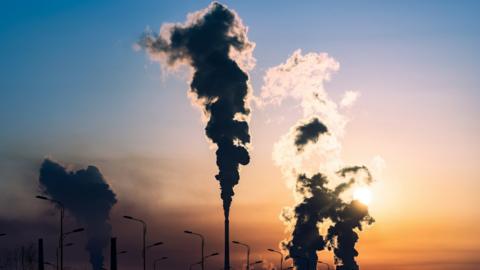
(72, 88)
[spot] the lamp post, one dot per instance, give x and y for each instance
(328, 265)
(248, 252)
(157, 260)
(281, 256)
(254, 263)
(57, 249)
(62, 213)
(202, 247)
(203, 260)
(144, 249)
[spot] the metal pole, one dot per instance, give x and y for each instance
(248, 257)
(203, 251)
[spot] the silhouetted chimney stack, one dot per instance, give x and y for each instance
(113, 253)
(41, 263)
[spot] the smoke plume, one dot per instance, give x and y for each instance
(87, 196)
(309, 156)
(214, 43)
(309, 133)
(342, 236)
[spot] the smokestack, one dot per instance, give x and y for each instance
(113, 253)
(88, 197)
(41, 262)
(214, 43)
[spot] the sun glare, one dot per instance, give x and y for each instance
(363, 194)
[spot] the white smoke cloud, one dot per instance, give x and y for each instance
(349, 98)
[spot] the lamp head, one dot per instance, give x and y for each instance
(128, 217)
(189, 232)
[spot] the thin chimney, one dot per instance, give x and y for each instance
(113, 253)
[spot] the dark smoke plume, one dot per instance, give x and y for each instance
(207, 42)
(342, 236)
(309, 133)
(319, 206)
(87, 196)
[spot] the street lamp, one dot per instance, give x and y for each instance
(202, 247)
(56, 251)
(154, 245)
(62, 213)
(203, 260)
(255, 263)
(3, 234)
(122, 252)
(248, 252)
(281, 256)
(144, 238)
(157, 260)
(328, 265)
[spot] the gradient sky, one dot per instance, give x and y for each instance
(73, 89)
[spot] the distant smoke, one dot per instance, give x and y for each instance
(87, 196)
(214, 43)
(309, 156)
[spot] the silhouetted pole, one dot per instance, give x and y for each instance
(40, 255)
(56, 252)
(202, 247)
(60, 241)
(157, 260)
(248, 252)
(281, 257)
(144, 249)
(113, 253)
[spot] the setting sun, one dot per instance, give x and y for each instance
(363, 194)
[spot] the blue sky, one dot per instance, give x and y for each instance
(69, 66)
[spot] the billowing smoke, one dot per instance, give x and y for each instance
(214, 43)
(87, 196)
(325, 214)
(342, 236)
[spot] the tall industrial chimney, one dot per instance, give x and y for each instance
(41, 263)
(113, 253)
